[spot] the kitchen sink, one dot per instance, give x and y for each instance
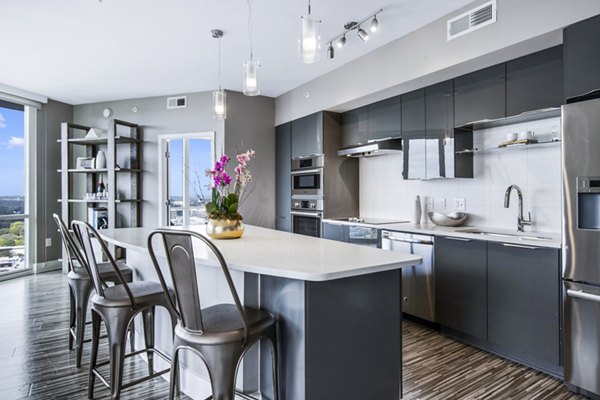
(520, 236)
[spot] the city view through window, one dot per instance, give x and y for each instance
(12, 190)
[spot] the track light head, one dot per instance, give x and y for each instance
(330, 51)
(341, 42)
(374, 24)
(363, 34)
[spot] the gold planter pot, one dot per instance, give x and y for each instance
(225, 228)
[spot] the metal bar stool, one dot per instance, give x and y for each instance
(221, 334)
(117, 306)
(80, 287)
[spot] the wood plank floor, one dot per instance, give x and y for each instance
(36, 364)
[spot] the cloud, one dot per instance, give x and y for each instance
(16, 142)
(2, 121)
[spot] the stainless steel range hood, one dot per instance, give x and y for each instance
(373, 148)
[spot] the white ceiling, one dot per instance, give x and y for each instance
(84, 51)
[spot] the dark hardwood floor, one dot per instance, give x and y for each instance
(36, 364)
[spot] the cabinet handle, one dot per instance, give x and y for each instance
(580, 294)
(520, 246)
(458, 239)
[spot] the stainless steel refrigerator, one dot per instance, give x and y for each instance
(581, 245)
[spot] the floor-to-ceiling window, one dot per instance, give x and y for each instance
(185, 185)
(13, 189)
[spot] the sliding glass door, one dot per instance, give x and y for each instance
(13, 190)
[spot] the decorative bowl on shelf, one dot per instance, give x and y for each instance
(452, 219)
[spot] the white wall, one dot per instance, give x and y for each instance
(536, 170)
(424, 56)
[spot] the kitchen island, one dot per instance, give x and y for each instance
(338, 306)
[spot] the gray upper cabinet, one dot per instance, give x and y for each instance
(461, 285)
(535, 81)
(524, 303)
(283, 183)
(439, 127)
(384, 119)
(307, 136)
(582, 57)
(413, 135)
(480, 95)
(355, 126)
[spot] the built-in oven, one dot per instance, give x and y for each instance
(307, 216)
(307, 176)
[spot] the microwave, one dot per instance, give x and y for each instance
(307, 182)
(304, 163)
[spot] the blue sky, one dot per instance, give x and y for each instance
(12, 152)
(200, 161)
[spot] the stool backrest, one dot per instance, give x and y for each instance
(85, 232)
(73, 251)
(178, 246)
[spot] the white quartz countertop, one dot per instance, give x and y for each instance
(551, 239)
(275, 253)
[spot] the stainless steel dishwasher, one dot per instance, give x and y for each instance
(417, 281)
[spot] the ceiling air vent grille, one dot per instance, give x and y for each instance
(176, 102)
(472, 20)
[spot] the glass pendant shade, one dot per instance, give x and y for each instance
(251, 78)
(310, 39)
(219, 104)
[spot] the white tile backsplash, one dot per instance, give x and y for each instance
(383, 192)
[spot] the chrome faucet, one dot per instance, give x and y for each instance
(521, 222)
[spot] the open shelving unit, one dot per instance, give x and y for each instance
(122, 174)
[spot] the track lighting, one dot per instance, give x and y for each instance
(330, 51)
(363, 34)
(374, 24)
(340, 40)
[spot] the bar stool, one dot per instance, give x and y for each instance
(221, 334)
(117, 306)
(80, 287)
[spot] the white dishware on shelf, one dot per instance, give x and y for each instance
(526, 135)
(511, 137)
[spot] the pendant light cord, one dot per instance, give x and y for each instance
(250, 28)
(308, 7)
(219, 64)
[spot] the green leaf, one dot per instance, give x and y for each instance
(233, 208)
(215, 196)
(211, 207)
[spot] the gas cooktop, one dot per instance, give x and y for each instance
(371, 221)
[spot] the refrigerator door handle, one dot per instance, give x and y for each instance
(580, 294)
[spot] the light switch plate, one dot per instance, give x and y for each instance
(460, 204)
(48, 242)
(440, 204)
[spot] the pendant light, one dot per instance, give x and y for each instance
(250, 84)
(219, 96)
(310, 38)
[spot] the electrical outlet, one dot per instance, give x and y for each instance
(429, 203)
(460, 204)
(440, 204)
(48, 242)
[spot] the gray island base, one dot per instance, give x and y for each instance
(338, 307)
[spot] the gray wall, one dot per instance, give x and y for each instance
(47, 157)
(424, 56)
(156, 119)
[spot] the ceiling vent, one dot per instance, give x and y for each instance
(176, 102)
(472, 20)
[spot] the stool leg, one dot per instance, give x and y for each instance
(116, 325)
(71, 316)
(96, 320)
(222, 362)
(174, 380)
(82, 291)
(148, 316)
(273, 342)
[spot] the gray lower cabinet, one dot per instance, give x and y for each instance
(461, 285)
(335, 232)
(283, 183)
(524, 303)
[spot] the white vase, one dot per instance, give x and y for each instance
(417, 212)
(100, 160)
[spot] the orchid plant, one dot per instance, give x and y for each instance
(226, 198)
